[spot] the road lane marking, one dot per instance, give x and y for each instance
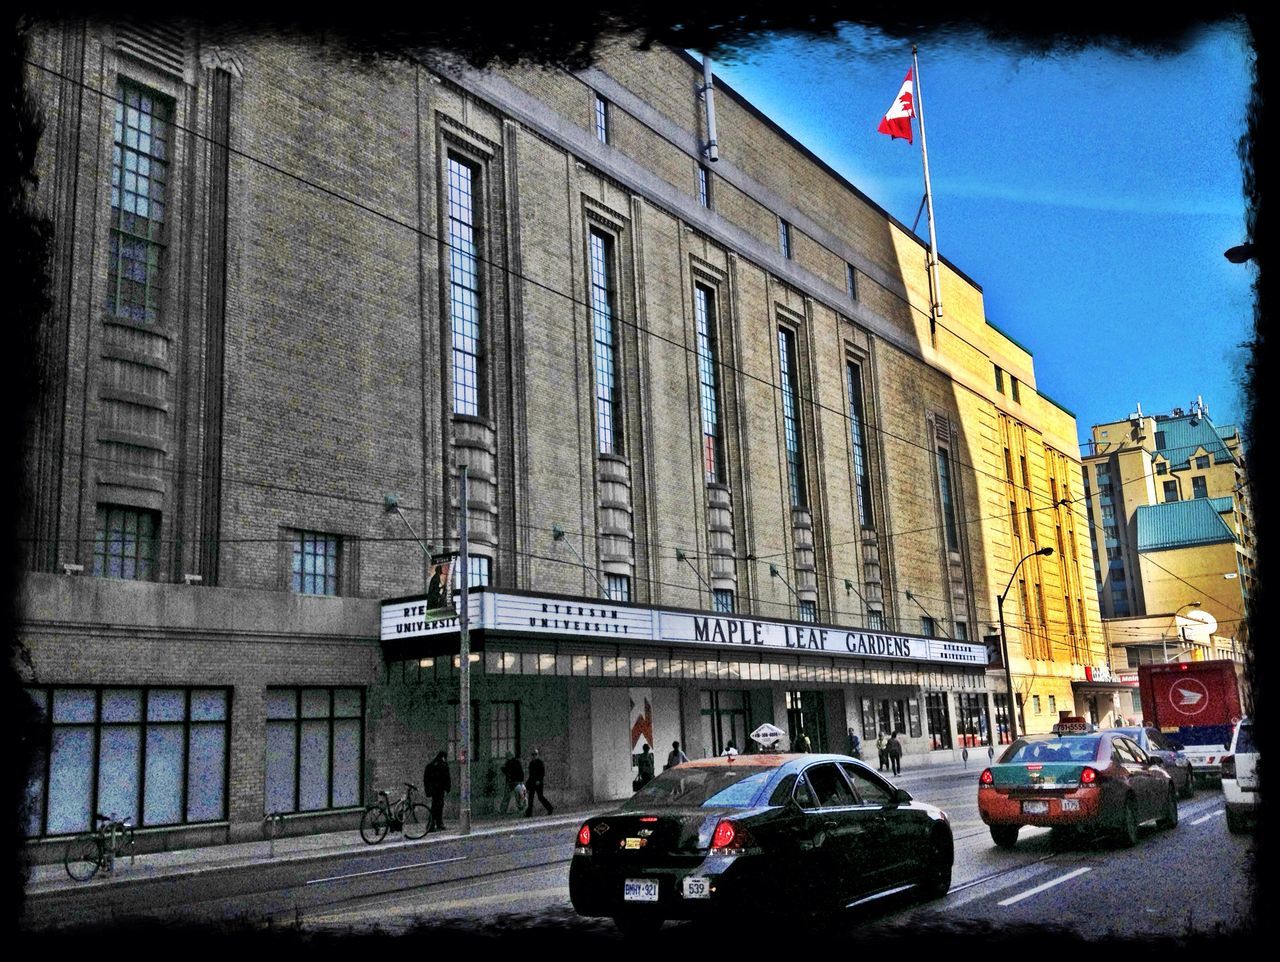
(382, 871)
(1047, 885)
(418, 908)
(1205, 818)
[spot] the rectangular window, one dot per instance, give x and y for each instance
(479, 566)
(858, 435)
(451, 736)
(1001, 700)
(704, 186)
(618, 587)
(1026, 477)
(1160, 441)
(875, 619)
(999, 381)
(155, 756)
(125, 545)
(1013, 521)
(972, 720)
(1031, 527)
(1202, 462)
(928, 627)
(962, 631)
(704, 306)
(602, 119)
(723, 600)
(1199, 487)
(1162, 468)
(1053, 704)
(315, 748)
(938, 719)
(139, 174)
(948, 501)
(791, 418)
(1008, 465)
(1035, 704)
(1013, 389)
(464, 288)
(808, 610)
(851, 282)
(1171, 490)
(315, 563)
(608, 398)
(784, 238)
(504, 729)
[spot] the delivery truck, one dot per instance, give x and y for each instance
(1195, 703)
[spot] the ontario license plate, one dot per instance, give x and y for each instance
(640, 890)
(633, 843)
(1071, 804)
(696, 887)
(1035, 808)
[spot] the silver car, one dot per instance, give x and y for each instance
(1240, 777)
(1174, 761)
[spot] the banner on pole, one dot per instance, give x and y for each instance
(440, 588)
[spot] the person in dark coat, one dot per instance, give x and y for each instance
(645, 765)
(436, 782)
(894, 750)
(537, 775)
(513, 775)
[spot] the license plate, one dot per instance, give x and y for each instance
(696, 887)
(633, 843)
(1071, 804)
(1035, 808)
(640, 890)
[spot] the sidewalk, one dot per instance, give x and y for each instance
(195, 861)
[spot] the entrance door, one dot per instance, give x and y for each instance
(806, 711)
(724, 719)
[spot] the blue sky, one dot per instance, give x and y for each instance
(1091, 194)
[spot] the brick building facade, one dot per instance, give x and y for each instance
(287, 286)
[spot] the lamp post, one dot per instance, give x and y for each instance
(1004, 644)
(1182, 631)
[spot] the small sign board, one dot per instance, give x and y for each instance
(766, 736)
(1074, 725)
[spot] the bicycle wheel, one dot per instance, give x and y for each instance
(83, 857)
(417, 819)
(373, 825)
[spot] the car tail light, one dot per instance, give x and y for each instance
(1228, 766)
(648, 818)
(986, 779)
(584, 836)
(730, 838)
(1089, 776)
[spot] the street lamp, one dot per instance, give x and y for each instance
(1004, 644)
(1182, 630)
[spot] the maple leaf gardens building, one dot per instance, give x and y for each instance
(723, 469)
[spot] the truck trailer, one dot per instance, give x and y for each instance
(1195, 703)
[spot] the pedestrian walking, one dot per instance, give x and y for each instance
(855, 745)
(675, 757)
(645, 765)
(436, 782)
(513, 776)
(894, 749)
(730, 748)
(537, 775)
(802, 743)
(882, 745)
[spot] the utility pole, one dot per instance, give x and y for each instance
(464, 665)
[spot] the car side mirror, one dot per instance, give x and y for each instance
(1155, 760)
(901, 797)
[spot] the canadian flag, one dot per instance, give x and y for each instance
(897, 122)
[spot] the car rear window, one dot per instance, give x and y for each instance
(1074, 749)
(686, 787)
(1244, 741)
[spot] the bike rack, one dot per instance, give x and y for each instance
(273, 822)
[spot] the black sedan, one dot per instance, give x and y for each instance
(1169, 750)
(753, 831)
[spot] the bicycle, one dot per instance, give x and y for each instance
(87, 853)
(412, 819)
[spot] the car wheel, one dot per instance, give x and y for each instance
(1235, 822)
(638, 924)
(1189, 789)
(1129, 826)
(1170, 819)
(1005, 836)
(937, 878)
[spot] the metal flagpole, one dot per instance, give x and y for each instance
(464, 666)
(935, 308)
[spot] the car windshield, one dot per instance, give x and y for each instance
(1075, 749)
(689, 787)
(1244, 741)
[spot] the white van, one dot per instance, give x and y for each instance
(1240, 777)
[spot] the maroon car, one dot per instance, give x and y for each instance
(1087, 781)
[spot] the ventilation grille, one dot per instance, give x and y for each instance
(159, 44)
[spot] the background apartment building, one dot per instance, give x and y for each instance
(1173, 545)
(287, 287)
